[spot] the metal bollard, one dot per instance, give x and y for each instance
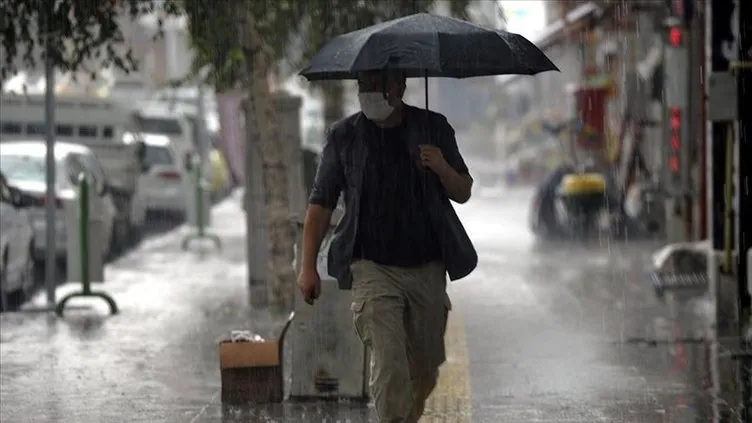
(83, 235)
(201, 232)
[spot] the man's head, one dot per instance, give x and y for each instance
(380, 93)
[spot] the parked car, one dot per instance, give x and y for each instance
(16, 247)
(158, 118)
(23, 163)
(167, 181)
(104, 126)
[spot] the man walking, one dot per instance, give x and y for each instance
(397, 167)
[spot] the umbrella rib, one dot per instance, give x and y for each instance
(381, 26)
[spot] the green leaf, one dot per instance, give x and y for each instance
(80, 30)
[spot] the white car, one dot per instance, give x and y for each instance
(166, 183)
(23, 163)
(16, 247)
(159, 119)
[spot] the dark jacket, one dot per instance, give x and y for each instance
(341, 172)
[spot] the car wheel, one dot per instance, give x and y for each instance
(29, 281)
(135, 233)
(10, 300)
(110, 242)
(4, 296)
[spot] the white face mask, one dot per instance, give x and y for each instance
(375, 106)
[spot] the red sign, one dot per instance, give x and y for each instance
(591, 104)
(675, 140)
(675, 37)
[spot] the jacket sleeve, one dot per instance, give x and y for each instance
(448, 145)
(330, 176)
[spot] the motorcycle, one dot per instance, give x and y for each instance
(571, 203)
(582, 200)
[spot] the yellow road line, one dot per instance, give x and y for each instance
(451, 401)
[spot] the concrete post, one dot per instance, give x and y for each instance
(328, 360)
(288, 111)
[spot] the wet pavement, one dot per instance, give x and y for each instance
(156, 360)
(551, 330)
(540, 334)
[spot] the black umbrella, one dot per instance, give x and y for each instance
(426, 45)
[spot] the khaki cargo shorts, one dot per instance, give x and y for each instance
(401, 315)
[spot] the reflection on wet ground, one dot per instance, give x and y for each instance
(157, 224)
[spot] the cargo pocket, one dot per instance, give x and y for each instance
(357, 307)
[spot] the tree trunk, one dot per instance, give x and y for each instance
(334, 101)
(280, 230)
(334, 110)
(257, 245)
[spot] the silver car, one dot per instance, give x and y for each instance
(16, 247)
(23, 163)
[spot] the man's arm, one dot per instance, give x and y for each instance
(325, 193)
(314, 228)
(454, 176)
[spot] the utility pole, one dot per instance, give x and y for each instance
(50, 264)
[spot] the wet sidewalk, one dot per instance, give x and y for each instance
(156, 361)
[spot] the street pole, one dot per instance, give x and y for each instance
(201, 122)
(49, 117)
(202, 142)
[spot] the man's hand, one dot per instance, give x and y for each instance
(432, 157)
(309, 283)
(457, 186)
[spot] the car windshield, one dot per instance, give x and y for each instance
(29, 168)
(157, 155)
(159, 126)
(23, 167)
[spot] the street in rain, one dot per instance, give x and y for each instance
(399, 212)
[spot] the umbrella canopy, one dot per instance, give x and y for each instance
(427, 45)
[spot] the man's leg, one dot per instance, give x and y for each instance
(378, 313)
(425, 321)
(423, 386)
